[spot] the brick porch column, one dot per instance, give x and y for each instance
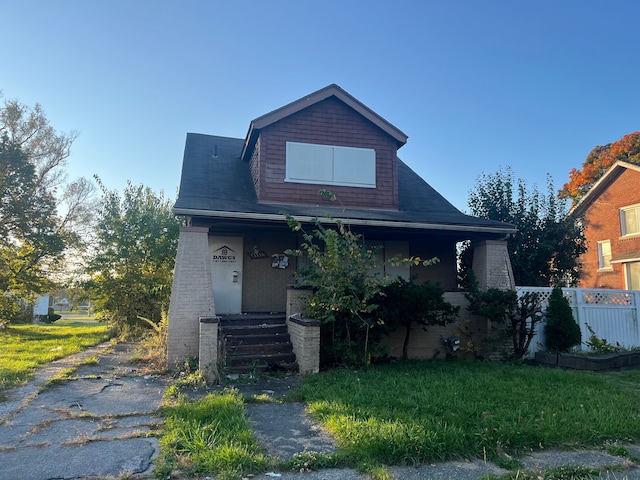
(492, 265)
(191, 294)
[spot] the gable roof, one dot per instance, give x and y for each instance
(602, 184)
(332, 90)
(217, 183)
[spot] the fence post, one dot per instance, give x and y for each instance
(636, 305)
(580, 316)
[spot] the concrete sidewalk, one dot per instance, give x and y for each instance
(101, 425)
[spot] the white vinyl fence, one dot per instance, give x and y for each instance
(614, 315)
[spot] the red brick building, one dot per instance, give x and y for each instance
(233, 192)
(611, 213)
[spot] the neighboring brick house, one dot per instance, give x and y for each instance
(611, 216)
(233, 191)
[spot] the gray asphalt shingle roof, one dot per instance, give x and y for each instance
(215, 181)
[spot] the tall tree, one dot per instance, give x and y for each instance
(46, 148)
(42, 214)
(136, 238)
(546, 247)
(598, 162)
(47, 151)
(32, 236)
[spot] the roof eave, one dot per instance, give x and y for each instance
(331, 90)
(603, 182)
(352, 221)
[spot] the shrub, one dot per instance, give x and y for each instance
(561, 331)
(518, 316)
(404, 303)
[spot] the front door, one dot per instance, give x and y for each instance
(226, 271)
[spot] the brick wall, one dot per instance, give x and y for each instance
(264, 289)
(427, 343)
(191, 294)
(305, 339)
(208, 359)
(328, 123)
(492, 265)
(602, 221)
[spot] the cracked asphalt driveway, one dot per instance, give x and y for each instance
(99, 424)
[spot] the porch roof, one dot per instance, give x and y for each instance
(626, 257)
(216, 183)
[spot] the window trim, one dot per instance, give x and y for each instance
(604, 265)
(623, 213)
(627, 274)
(335, 150)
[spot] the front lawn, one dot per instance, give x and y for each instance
(409, 413)
(416, 412)
(25, 347)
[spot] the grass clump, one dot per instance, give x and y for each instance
(25, 347)
(559, 473)
(416, 412)
(210, 436)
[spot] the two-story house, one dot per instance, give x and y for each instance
(611, 216)
(231, 257)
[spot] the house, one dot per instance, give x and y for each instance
(611, 214)
(231, 262)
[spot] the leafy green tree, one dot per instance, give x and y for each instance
(32, 237)
(47, 149)
(515, 318)
(404, 304)
(42, 214)
(135, 244)
(343, 289)
(547, 244)
(561, 330)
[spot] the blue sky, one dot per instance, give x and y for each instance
(476, 85)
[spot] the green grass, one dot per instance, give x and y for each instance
(411, 413)
(211, 436)
(416, 412)
(25, 347)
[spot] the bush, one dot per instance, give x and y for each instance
(403, 303)
(561, 331)
(516, 318)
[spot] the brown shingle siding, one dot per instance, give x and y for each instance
(330, 123)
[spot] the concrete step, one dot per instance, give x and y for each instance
(258, 349)
(262, 329)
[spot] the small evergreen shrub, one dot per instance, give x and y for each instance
(404, 304)
(561, 331)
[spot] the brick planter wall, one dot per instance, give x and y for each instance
(613, 361)
(208, 359)
(305, 338)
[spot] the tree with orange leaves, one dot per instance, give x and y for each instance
(598, 162)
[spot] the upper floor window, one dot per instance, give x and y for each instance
(630, 220)
(333, 165)
(604, 254)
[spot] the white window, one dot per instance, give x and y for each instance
(632, 271)
(604, 254)
(333, 165)
(630, 220)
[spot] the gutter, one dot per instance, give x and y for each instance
(361, 222)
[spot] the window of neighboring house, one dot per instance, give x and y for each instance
(632, 271)
(630, 220)
(604, 255)
(333, 165)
